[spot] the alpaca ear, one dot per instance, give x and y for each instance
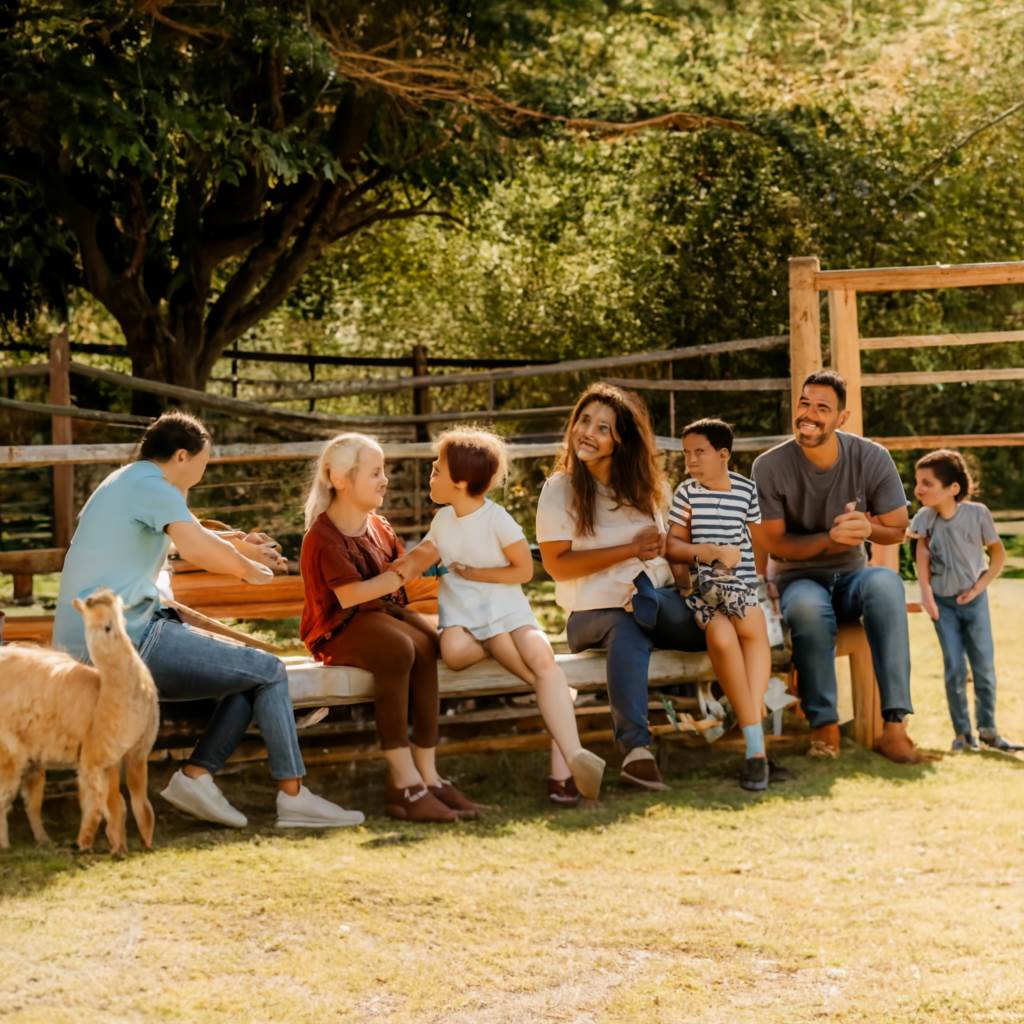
(79, 606)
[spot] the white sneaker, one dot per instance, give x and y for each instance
(307, 810)
(202, 799)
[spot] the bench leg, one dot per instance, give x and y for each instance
(867, 704)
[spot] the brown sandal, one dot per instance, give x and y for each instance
(457, 801)
(416, 803)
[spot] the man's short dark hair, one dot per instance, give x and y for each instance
(718, 432)
(170, 433)
(829, 379)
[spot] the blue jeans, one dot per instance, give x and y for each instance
(246, 683)
(629, 648)
(965, 634)
(814, 604)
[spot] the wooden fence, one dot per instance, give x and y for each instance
(807, 283)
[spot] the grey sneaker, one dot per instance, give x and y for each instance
(202, 799)
(965, 741)
(996, 742)
(307, 810)
(754, 774)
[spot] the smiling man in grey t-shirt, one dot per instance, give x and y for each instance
(822, 495)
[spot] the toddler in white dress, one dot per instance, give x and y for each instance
(483, 610)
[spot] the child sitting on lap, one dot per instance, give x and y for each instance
(483, 609)
(709, 524)
(951, 531)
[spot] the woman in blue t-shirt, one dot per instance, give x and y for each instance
(122, 539)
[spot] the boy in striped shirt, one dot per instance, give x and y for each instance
(709, 520)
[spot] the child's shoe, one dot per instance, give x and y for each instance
(965, 741)
(563, 792)
(992, 739)
(587, 770)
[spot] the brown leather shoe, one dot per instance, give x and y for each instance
(897, 746)
(563, 792)
(643, 774)
(457, 801)
(416, 803)
(824, 741)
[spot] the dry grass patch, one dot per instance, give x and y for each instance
(858, 892)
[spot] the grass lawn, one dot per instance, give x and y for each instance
(861, 891)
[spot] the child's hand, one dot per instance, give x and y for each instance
(969, 595)
(931, 608)
(403, 568)
(460, 569)
(728, 554)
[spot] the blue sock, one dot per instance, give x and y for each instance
(753, 736)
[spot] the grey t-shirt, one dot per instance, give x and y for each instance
(790, 487)
(955, 545)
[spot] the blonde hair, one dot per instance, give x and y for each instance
(475, 457)
(341, 454)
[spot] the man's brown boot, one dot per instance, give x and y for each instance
(824, 741)
(897, 746)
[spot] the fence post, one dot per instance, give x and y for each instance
(420, 393)
(844, 339)
(61, 433)
(804, 322)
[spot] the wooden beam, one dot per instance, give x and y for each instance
(29, 370)
(24, 456)
(941, 275)
(845, 346)
(338, 389)
(913, 378)
(942, 340)
(651, 384)
(926, 442)
(72, 412)
(804, 323)
(42, 560)
(61, 434)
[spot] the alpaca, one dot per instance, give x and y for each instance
(55, 710)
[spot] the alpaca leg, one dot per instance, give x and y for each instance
(116, 813)
(32, 786)
(10, 775)
(136, 773)
(92, 794)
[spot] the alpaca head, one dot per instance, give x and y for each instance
(103, 611)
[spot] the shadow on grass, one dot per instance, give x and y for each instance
(509, 786)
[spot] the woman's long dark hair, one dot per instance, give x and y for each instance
(637, 479)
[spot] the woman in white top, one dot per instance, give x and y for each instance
(483, 609)
(602, 539)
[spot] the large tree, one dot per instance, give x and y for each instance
(185, 163)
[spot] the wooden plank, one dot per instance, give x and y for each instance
(926, 442)
(72, 412)
(362, 387)
(918, 377)
(28, 370)
(42, 560)
(61, 433)
(28, 629)
(650, 384)
(804, 323)
(941, 275)
(941, 340)
(843, 334)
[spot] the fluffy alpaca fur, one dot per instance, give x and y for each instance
(55, 710)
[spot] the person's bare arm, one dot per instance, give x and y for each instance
(416, 560)
(361, 591)
(518, 570)
(563, 563)
(996, 561)
(923, 558)
(679, 548)
(771, 535)
(890, 528)
(206, 550)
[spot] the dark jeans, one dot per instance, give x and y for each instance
(814, 604)
(247, 684)
(629, 648)
(965, 634)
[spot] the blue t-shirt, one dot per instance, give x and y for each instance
(120, 543)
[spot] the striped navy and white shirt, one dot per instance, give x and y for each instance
(720, 517)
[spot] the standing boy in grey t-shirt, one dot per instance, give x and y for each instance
(951, 532)
(822, 495)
